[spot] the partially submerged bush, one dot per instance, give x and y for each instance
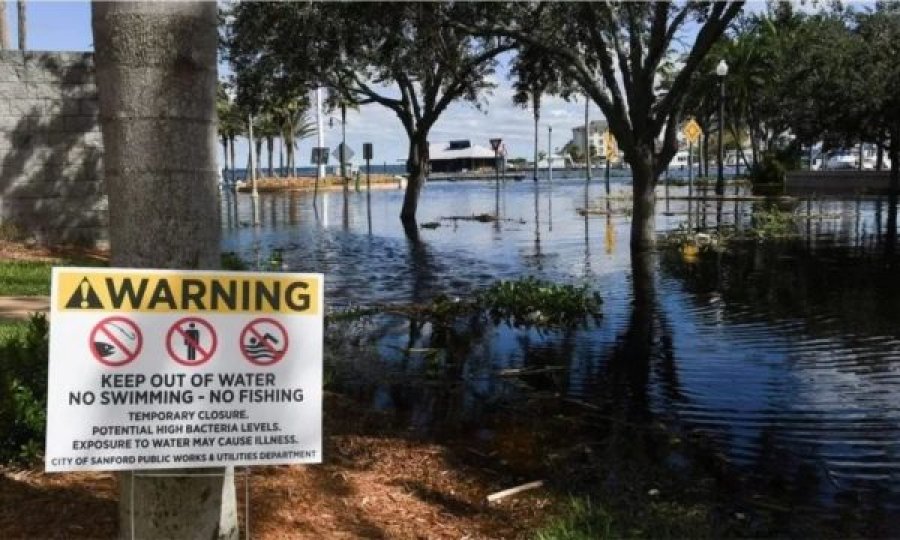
(525, 302)
(531, 302)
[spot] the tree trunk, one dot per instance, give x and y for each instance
(224, 141)
(417, 169)
(643, 227)
(233, 164)
(159, 166)
(281, 171)
(891, 230)
(258, 169)
(705, 151)
(343, 157)
(270, 148)
(4, 29)
(537, 118)
(21, 20)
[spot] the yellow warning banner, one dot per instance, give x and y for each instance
(165, 292)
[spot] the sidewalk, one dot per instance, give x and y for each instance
(20, 307)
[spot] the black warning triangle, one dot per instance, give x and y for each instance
(84, 297)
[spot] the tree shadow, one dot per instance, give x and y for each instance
(55, 508)
(50, 177)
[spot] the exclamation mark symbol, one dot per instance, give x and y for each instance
(85, 287)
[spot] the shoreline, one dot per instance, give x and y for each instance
(327, 183)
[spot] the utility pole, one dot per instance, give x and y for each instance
(20, 19)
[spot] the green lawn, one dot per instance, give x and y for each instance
(24, 278)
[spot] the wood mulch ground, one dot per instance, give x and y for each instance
(19, 251)
(375, 482)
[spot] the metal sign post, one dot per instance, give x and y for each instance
(368, 154)
(692, 133)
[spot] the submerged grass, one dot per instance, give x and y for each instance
(582, 518)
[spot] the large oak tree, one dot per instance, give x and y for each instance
(403, 56)
(615, 52)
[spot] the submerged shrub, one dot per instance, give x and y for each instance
(23, 392)
(532, 302)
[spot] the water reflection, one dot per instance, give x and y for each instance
(783, 356)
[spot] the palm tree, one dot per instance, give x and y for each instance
(535, 76)
(266, 129)
(230, 126)
(163, 210)
(291, 116)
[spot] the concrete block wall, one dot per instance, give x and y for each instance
(51, 184)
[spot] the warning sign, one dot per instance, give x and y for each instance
(115, 341)
(191, 341)
(148, 292)
(264, 342)
(179, 369)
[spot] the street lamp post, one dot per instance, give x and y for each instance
(549, 154)
(721, 72)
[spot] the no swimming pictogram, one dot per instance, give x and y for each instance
(191, 341)
(264, 342)
(115, 341)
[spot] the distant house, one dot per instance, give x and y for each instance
(559, 161)
(459, 156)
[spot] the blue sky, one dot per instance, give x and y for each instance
(67, 26)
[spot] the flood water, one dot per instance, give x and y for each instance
(782, 356)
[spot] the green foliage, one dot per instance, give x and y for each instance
(580, 520)
(531, 302)
(25, 278)
(23, 390)
(768, 170)
(771, 223)
(527, 302)
(231, 261)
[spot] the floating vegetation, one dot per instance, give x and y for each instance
(232, 261)
(482, 218)
(431, 225)
(532, 302)
(773, 223)
(527, 302)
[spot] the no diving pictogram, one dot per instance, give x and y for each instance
(264, 342)
(115, 341)
(191, 341)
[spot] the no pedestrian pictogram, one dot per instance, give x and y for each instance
(191, 341)
(115, 341)
(264, 342)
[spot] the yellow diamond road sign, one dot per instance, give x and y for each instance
(692, 131)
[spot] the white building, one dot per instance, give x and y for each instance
(595, 137)
(461, 156)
